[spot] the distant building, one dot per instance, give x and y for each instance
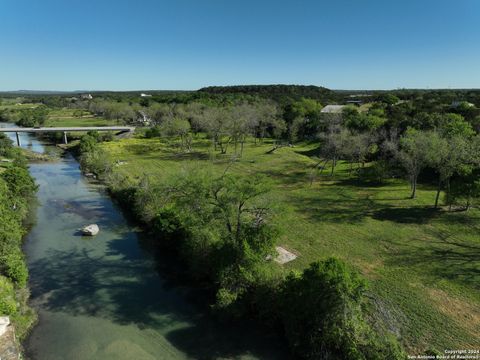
(332, 109)
(145, 95)
(86, 96)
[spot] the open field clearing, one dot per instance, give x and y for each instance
(423, 265)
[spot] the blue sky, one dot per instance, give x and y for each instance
(188, 44)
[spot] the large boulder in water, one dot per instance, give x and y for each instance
(91, 230)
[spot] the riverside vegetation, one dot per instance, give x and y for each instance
(17, 191)
(379, 202)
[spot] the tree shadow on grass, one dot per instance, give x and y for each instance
(296, 177)
(309, 153)
(334, 208)
(445, 257)
(406, 215)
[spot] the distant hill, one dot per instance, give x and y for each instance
(276, 92)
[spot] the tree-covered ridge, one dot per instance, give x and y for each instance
(277, 92)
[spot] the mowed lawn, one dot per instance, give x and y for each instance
(65, 117)
(62, 117)
(423, 266)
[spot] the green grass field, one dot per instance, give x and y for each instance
(59, 117)
(423, 265)
(65, 117)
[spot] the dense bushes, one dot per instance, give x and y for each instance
(8, 303)
(16, 192)
(321, 311)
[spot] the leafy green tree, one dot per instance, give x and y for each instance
(414, 155)
(304, 118)
(19, 182)
(464, 189)
(178, 127)
(390, 99)
(361, 122)
(455, 125)
(322, 315)
(88, 143)
(215, 122)
(32, 117)
(449, 156)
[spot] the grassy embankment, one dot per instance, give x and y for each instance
(422, 265)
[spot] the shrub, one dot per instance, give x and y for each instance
(153, 132)
(19, 181)
(8, 304)
(168, 226)
(13, 265)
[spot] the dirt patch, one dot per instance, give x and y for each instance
(8, 345)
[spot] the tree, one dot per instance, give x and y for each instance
(243, 119)
(322, 315)
(465, 189)
(333, 143)
(357, 148)
(304, 118)
(19, 181)
(390, 99)
(361, 122)
(214, 122)
(454, 125)
(266, 118)
(413, 155)
(226, 225)
(178, 127)
(448, 157)
(32, 117)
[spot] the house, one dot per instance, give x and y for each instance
(86, 96)
(332, 109)
(145, 95)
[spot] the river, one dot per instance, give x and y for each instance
(102, 297)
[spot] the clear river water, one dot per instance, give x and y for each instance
(102, 297)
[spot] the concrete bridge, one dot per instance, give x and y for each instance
(119, 129)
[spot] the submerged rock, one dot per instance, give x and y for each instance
(91, 230)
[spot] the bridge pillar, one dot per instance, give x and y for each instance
(65, 141)
(18, 139)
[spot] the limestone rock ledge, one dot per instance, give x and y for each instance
(9, 349)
